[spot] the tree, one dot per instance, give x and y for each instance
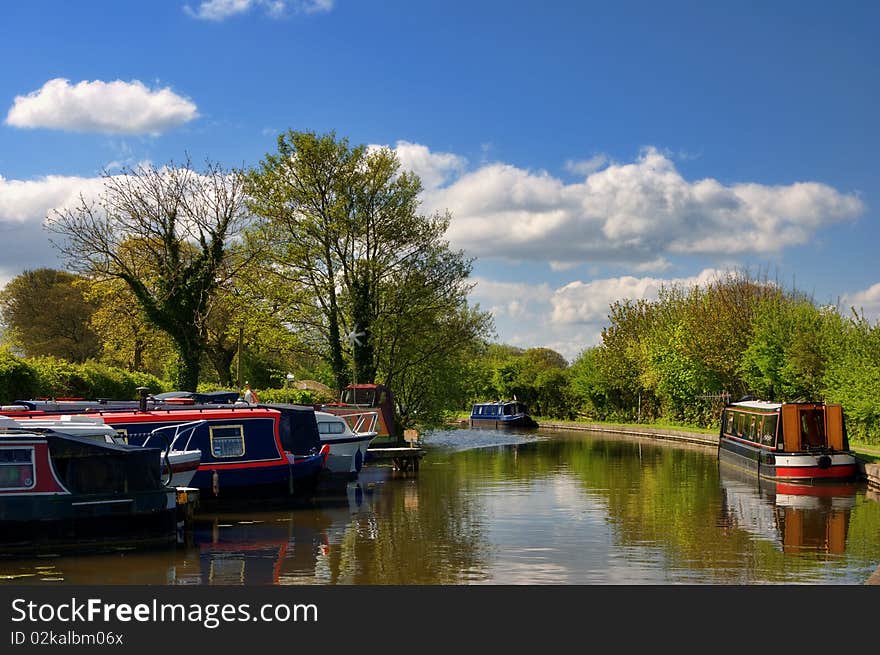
(167, 233)
(47, 314)
(128, 339)
(357, 257)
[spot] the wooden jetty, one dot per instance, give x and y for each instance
(403, 458)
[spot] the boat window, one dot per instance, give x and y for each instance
(17, 468)
(508, 410)
(227, 440)
(331, 427)
(769, 432)
(740, 424)
(730, 417)
(812, 428)
(359, 397)
(752, 428)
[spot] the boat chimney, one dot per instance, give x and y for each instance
(142, 396)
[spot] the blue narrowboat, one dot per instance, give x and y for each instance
(248, 452)
(501, 414)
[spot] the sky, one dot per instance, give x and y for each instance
(587, 151)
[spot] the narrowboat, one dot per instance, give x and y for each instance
(348, 438)
(178, 464)
(267, 451)
(501, 414)
(804, 441)
(61, 490)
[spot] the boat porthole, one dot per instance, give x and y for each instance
(824, 462)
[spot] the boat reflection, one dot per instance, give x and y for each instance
(272, 548)
(247, 548)
(798, 518)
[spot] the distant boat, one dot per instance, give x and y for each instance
(59, 490)
(803, 441)
(501, 414)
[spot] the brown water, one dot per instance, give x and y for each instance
(491, 507)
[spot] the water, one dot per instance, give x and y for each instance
(537, 508)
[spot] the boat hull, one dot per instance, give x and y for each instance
(37, 522)
(347, 454)
(804, 466)
(518, 421)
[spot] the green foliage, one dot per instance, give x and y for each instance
(50, 377)
(18, 381)
(852, 378)
(295, 396)
(47, 313)
(539, 377)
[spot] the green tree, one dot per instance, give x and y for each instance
(128, 340)
(356, 256)
(167, 233)
(47, 313)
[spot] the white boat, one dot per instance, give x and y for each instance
(348, 436)
(182, 464)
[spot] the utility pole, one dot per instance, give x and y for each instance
(238, 363)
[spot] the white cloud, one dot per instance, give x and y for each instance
(586, 167)
(866, 301)
(634, 213)
(513, 299)
(24, 204)
(108, 107)
(218, 10)
(433, 168)
(570, 318)
(588, 302)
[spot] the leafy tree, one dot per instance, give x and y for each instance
(167, 234)
(47, 313)
(128, 340)
(353, 255)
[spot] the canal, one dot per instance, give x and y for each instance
(536, 508)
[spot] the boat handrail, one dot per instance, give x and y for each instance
(180, 429)
(361, 422)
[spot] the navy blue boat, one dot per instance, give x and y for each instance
(501, 414)
(262, 452)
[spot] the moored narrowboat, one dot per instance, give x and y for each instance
(60, 491)
(501, 414)
(804, 441)
(248, 452)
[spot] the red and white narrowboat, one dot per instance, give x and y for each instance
(804, 441)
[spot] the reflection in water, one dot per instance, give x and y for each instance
(797, 518)
(490, 507)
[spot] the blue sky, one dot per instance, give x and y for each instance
(587, 151)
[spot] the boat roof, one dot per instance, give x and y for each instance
(757, 404)
(500, 402)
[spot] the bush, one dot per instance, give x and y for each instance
(295, 396)
(18, 380)
(50, 377)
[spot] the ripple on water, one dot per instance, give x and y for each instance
(470, 438)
